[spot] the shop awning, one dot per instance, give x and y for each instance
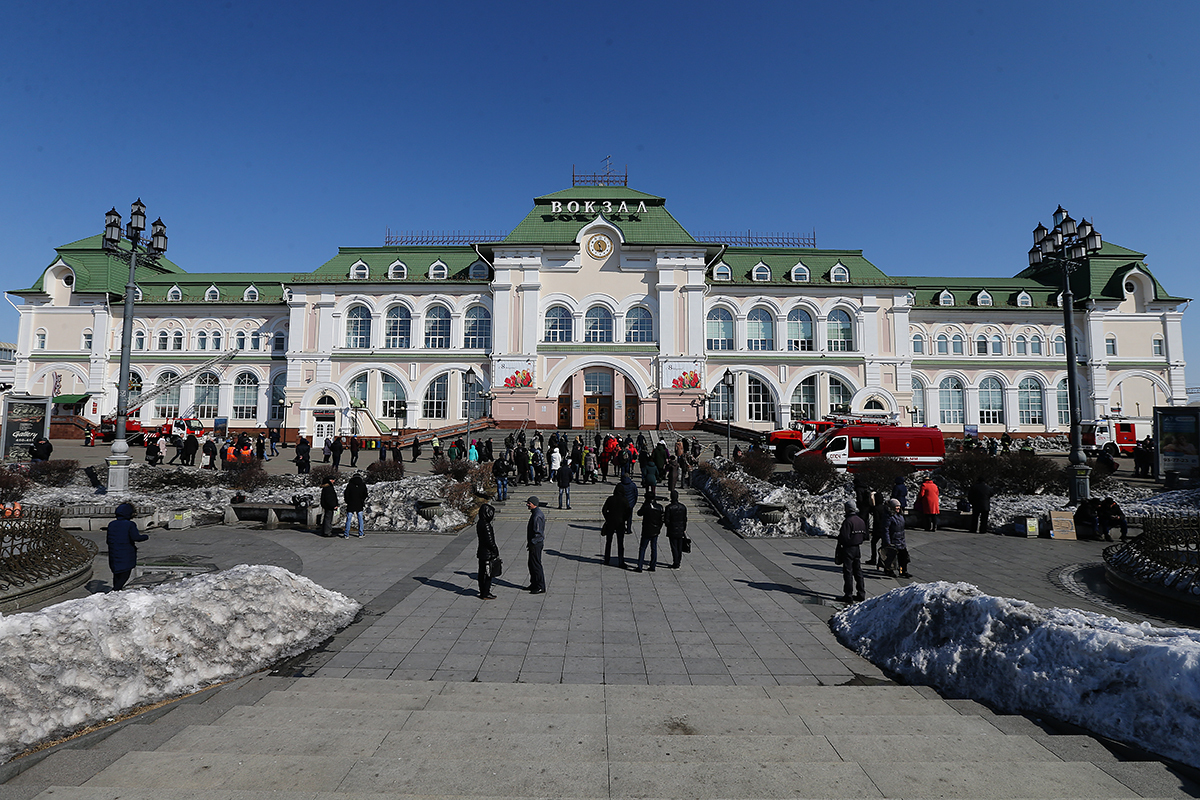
(70, 399)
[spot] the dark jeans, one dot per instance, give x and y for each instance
(327, 521)
(852, 574)
(676, 543)
(537, 576)
(485, 577)
(979, 520)
(121, 578)
(608, 540)
(652, 541)
(898, 558)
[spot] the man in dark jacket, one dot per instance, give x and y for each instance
(329, 504)
(356, 498)
(501, 470)
(614, 525)
(849, 553)
(564, 477)
(303, 456)
(535, 538)
(629, 492)
(416, 449)
(486, 550)
(122, 541)
(41, 449)
(980, 498)
(651, 513)
(210, 454)
(898, 547)
(336, 447)
(354, 446)
(900, 492)
(675, 517)
(190, 446)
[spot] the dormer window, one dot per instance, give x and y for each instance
(761, 273)
(437, 271)
(983, 298)
(359, 271)
(1024, 300)
(945, 298)
(137, 293)
(721, 272)
(212, 294)
(800, 274)
(174, 294)
(839, 274)
(250, 295)
(479, 271)
(910, 299)
(397, 271)
(1058, 300)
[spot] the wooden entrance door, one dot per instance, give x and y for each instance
(564, 411)
(597, 412)
(631, 411)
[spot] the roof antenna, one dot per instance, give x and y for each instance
(607, 166)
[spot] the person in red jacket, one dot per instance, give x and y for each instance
(927, 503)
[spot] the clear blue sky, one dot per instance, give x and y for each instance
(933, 136)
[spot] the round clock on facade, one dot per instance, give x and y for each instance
(599, 245)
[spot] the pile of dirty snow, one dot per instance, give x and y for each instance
(805, 514)
(84, 661)
(1135, 683)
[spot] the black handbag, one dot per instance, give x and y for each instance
(686, 546)
(496, 567)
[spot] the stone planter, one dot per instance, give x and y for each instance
(429, 509)
(771, 513)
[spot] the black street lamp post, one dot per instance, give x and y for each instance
(728, 380)
(118, 464)
(1068, 247)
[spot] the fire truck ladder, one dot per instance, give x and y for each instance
(179, 380)
(359, 407)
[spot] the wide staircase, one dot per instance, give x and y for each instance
(345, 738)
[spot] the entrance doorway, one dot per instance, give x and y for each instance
(632, 407)
(597, 413)
(564, 411)
(321, 432)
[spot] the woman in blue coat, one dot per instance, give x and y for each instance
(123, 537)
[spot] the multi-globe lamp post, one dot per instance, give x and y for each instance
(119, 460)
(1068, 246)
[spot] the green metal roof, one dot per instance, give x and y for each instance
(418, 259)
(96, 270)
(642, 218)
(1102, 275)
(743, 260)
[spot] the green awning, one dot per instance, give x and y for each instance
(70, 399)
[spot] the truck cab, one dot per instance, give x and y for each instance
(849, 446)
(1108, 435)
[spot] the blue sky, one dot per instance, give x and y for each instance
(933, 136)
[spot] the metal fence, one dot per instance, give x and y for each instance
(1166, 557)
(33, 548)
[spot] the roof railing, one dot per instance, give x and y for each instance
(397, 238)
(751, 239)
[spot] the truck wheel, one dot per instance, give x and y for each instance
(790, 453)
(1112, 450)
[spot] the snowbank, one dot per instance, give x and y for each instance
(83, 661)
(1135, 683)
(805, 514)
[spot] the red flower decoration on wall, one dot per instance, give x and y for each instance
(518, 379)
(688, 380)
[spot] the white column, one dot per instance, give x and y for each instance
(1012, 417)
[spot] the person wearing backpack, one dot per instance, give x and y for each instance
(849, 554)
(651, 513)
(614, 525)
(675, 518)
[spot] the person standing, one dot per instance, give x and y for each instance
(613, 512)
(122, 538)
(356, 499)
(329, 504)
(260, 448)
(898, 547)
(486, 549)
(900, 492)
(326, 450)
(849, 554)
(303, 456)
(535, 538)
(336, 447)
(354, 446)
(980, 498)
(210, 454)
(563, 477)
(675, 518)
(190, 446)
(928, 504)
(501, 469)
(416, 448)
(177, 443)
(879, 523)
(651, 513)
(629, 492)
(273, 436)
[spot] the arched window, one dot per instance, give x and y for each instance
(957, 344)
(473, 406)
(437, 272)
(245, 396)
(839, 396)
(174, 294)
(213, 294)
(240, 339)
(720, 404)
(946, 298)
(874, 404)
(177, 340)
(598, 381)
(216, 340)
(437, 332)
(398, 271)
(981, 345)
(760, 330)
(719, 330)
(477, 329)
(1021, 345)
(1035, 345)
(358, 327)
(135, 392)
(398, 327)
(950, 401)
(943, 344)
(1156, 346)
(639, 325)
(139, 341)
(279, 395)
(250, 295)
(918, 344)
(804, 399)
(997, 345)
(1110, 345)
(984, 299)
(394, 404)
(207, 393)
(359, 272)
(1029, 402)
(991, 402)
(1060, 346)
(202, 340)
(840, 330)
(167, 404)
(722, 273)
(598, 325)
(1064, 403)
(800, 274)
(435, 404)
(478, 271)
(255, 341)
(1024, 300)
(799, 330)
(918, 402)
(760, 403)
(162, 340)
(839, 274)
(761, 273)
(358, 391)
(558, 324)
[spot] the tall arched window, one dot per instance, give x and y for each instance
(177, 340)
(437, 330)
(804, 399)
(957, 344)
(167, 404)
(760, 330)
(473, 406)
(202, 341)
(719, 330)
(245, 396)
(1060, 346)
(135, 393)
(398, 327)
(279, 395)
(799, 330)
(477, 329)
(918, 344)
(981, 345)
(598, 325)
(216, 340)
(1035, 345)
(1029, 402)
(918, 402)
(1064, 403)
(991, 402)
(839, 396)
(720, 404)
(1021, 345)
(256, 341)
(358, 327)
(558, 324)
(139, 341)
(943, 344)
(760, 403)
(435, 404)
(950, 401)
(240, 339)
(997, 345)
(358, 391)
(393, 398)
(840, 331)
(162, 340)
(639, 325)
(207, 394)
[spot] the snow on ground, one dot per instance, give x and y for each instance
(805, 514)
(1134, 683)
(84, 661)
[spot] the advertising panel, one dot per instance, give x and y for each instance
(25, 419)
(1177, 435)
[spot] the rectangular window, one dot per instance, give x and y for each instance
(435, 405)
(1110, 346)
(1157, 346)
(864, 444)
